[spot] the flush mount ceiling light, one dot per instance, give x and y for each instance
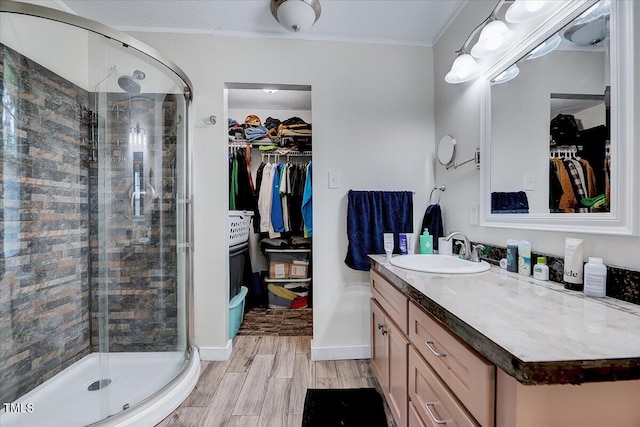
(464, 68)
(592, 27)
(270, 91)
(296, 15)
(548, 46)
(495, 38)
(507, 75)
(525, 10)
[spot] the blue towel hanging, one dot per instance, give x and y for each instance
(369, 215)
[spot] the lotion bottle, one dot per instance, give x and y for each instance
(524, 258)
(595, 278)
(541, 270)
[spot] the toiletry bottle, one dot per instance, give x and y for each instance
(541, 270)
(402, 242)
(426, 242)
(411, 243)
(512, 255)
(524, 258)
(573, 264)
(595, 278)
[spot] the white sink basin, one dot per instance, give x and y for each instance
(448, 264)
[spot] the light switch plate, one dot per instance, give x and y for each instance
(529, 182)
(334, 179)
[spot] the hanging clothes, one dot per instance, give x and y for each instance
(307, 205)
(233, 180)
(276, 204)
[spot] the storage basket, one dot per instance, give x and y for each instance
(239, 227)
(236, 312)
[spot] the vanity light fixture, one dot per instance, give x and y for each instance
(464, 68)
(507, 75)
(548, 46)
(494, 38)
(525, 10)
(296, 15)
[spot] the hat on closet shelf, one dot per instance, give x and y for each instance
(252, 120)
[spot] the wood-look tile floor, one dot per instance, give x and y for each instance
(264, 383)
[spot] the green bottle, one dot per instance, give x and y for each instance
(426, 242)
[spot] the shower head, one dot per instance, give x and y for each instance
(129, 83)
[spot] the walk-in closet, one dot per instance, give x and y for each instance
(270, 209)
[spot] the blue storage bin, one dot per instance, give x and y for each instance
(236, 311)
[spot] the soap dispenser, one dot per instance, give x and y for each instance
(426, 242)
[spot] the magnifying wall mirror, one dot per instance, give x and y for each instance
(446, 151)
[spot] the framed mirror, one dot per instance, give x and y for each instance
(558, 125)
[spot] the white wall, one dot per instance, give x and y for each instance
(458, 113)
(372, 122)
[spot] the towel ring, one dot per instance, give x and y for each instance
(439, 188)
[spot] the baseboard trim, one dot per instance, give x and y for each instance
(340, 353)
(216, 353)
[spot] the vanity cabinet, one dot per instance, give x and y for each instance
(427, 374)
(389, 346)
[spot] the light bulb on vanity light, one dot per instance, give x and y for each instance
(494, 38)
(463, 69)
(524, 10)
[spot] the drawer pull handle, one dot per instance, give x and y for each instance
(428, 344)
(435, 420)
(384, 332)
(379, 325)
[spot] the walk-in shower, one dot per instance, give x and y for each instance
(95, 253)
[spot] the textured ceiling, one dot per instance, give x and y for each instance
(404, 22)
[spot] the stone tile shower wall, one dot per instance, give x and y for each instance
(136, 282)
(44, 279)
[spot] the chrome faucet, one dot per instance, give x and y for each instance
(466, 251)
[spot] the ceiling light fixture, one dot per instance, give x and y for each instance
(270, 91)
(296, 15)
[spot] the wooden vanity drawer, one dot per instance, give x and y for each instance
(414, 419)
(469, 376)
(432, 400)
(390, 299)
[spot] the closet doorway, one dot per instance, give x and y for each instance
(270, 197)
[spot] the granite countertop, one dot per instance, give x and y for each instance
(537, 332)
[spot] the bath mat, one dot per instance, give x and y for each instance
(351, 407)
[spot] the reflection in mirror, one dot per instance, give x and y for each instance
(550, 139)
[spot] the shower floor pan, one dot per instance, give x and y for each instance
(66, 401)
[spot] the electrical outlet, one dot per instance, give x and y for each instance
(474, 215)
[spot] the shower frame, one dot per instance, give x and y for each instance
(150, 404)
